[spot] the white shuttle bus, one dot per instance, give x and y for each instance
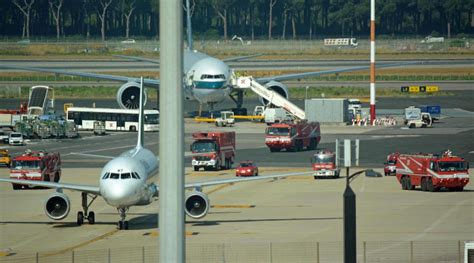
(114, 119)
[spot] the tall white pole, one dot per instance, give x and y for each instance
(372, 61)
(171, 142)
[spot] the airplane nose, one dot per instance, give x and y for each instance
(118, 195)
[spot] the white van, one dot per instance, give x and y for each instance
(16, 138)
(276, 115)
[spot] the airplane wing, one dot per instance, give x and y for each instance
(150, 82)
(240, 58)
(156, 61)
(246, 179)
(73, 187)
(331, 71)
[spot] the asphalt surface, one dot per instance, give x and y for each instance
(120, 64)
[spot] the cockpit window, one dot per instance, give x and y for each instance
(207, 76)
(114, 176)
(136, 174)
(106, 175)
(125, 176)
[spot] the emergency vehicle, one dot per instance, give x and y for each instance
(36, 165)
(5, 158)
(432, 172)
(293, 136)
(324, 164)
(213, 150)
(390, 165)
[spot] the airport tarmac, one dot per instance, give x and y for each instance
(298, 209)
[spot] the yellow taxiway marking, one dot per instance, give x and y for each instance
(157, 233)
(80, 245)
(233, 206)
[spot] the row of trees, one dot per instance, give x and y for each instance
(252, 18)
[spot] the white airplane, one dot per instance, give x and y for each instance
(126, 181)
(207, 79)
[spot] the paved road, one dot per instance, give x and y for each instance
(251, 64)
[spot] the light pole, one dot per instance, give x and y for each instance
(350, 238)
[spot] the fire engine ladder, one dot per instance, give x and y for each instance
(271, 96)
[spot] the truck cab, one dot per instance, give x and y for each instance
(390, 164)
(324, 164)
(213, 150)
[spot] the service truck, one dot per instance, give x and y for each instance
(415, 118)
(390, 164)
(293, 136)
(36, 165)
(213, 150)
(432, 171)
(324, 164)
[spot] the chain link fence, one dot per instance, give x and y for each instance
(319, 252)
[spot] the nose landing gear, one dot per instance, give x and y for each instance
(122, 224)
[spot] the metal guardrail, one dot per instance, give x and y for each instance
(320, 252)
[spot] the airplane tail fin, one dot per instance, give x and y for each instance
(141, 116)
(188, 26)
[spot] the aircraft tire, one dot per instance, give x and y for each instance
(91, 218)
(80, 218)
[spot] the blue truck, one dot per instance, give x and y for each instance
(433, 110)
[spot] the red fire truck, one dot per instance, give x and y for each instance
(36, 165)
(390, 165)
(324, 164)
(293, 136)
(432, 172)
(215, 150)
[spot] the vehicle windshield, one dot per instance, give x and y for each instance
(152, 118)
(204, 147)
(15, 135)
(3, 155)
(277, 131)
(25, 165)
(323, 159)
(246, 164)
(391, 162)
(452, 166)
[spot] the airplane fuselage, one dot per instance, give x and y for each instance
(207, 78)
(125, 180)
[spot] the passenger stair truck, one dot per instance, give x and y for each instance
(324, 164)
(271, 96)
(36, 165)
(432, 172)
(213, 150)
(293, 136)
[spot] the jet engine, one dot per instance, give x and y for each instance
(128, 96)
(196, 204)
(278, 87)
(57, 206)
